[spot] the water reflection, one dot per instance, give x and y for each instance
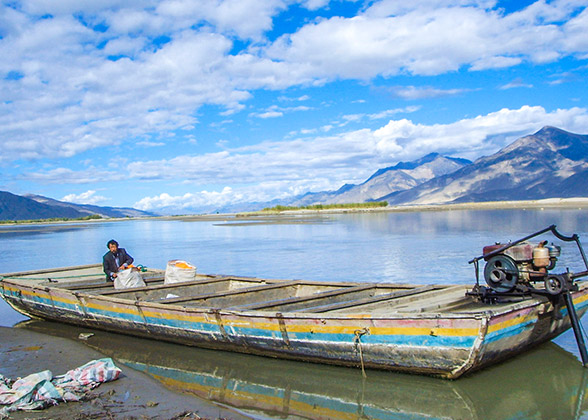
(546, 383)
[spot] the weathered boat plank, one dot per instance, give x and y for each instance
(218, 297)
(292, 303)
(155, 291)
(361, 302)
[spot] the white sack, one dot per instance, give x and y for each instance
(128, 278)
(178, 271)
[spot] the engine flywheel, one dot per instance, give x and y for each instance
(501, 273)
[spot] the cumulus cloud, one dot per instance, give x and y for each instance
(68, 95)
(88, 197)
(472, 137)
(392, 38)
(334, 157)
(188, 201)
(272, 169)
(78, 76)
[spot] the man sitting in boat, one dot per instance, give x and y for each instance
(115, 259)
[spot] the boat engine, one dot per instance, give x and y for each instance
(523, 263)
(513, 269)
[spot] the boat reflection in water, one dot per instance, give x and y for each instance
(545, 383)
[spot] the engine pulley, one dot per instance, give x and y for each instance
(554, 284)
(501, 273)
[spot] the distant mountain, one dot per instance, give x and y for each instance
(16, 207)
(552, 163)
(89, 209)
(400, 177)
(33, 207)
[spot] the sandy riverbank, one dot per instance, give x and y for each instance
(550, 203)
(133, 396)
(562, 203)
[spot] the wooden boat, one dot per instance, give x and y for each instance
(441, 330)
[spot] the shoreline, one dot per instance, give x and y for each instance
(134, 395)
(577, 203)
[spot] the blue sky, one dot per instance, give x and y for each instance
(179, 106)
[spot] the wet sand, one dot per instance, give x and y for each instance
(133, 395)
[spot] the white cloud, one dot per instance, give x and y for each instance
(286, 99)
(210, 200)
(69, 97)
(422, 92)
(357, 118)
(245, 18)
(385, 8)
(357, 154)
(354, 154)
(147, 143)
(516, 83)
(72, 98)
(88, 197)
(69, 176)
(276, 169)
(430, 38)
(575, 40)
(276, 111)
(188, 201)
(269, 114)
(390, 112)
(314, 4)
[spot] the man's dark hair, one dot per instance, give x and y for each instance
(111, 242)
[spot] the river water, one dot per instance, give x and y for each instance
(408, 247)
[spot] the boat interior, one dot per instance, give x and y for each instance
(253, 294)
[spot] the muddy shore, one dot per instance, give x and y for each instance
(133, 395)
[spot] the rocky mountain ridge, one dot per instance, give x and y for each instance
(400, 177)
(552, 163)
(35, 207)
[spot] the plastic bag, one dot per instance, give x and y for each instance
(94, 372)
(128, 278)
(41, 390)
(178, 271)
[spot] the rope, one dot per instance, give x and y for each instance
(357, 342)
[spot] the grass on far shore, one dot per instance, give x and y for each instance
(53, 219)
(372, 204)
